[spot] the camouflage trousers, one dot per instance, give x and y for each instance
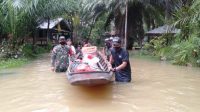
(60, 69)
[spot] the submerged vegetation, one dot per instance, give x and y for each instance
(10, 63)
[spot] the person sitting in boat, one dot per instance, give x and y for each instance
(60, 56)
(108, 45)
(69, 44)
(79, 54)
(120, 58)
(86, 43)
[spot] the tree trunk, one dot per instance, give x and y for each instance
(167, 11)
(92, 26)
(119, 24)
(48, 30)
(153, 24)
(72, 32)
(126, 21)
(34, 41)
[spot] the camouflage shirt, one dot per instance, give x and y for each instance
(60, 58)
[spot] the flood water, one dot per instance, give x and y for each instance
(156, 87)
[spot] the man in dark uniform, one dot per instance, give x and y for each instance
(120, 58)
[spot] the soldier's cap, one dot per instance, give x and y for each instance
(107, 39)
(111, 38)
(116, 41)
(62, 38)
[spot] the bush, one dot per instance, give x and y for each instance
(181, 52)
(7, 50)
(40, 50)
(186, 52)
(155, 47)
(27, 51)
(31, 51)
(10, 63)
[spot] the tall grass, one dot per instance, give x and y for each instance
(11, 63)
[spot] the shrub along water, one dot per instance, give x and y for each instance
(184, 48)
(10, 63)
(10, 58)
(185, 52)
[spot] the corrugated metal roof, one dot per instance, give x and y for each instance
(53, 23)
(163, 30)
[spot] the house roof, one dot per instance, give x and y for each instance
(166, 29)
(53, 23)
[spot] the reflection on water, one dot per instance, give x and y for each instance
(156, 87)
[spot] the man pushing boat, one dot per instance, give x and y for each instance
(60, 56)
(120, 58)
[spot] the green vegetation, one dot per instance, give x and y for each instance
(91, 18)
(8, 59)
(18, 22)
(185, 52)
(183, 48)
(10, 63)
(29, 53)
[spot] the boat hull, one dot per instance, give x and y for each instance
(90, 78)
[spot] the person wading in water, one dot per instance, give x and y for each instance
(60, 56)
(120, 58)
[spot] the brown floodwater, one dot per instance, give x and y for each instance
(156, 87)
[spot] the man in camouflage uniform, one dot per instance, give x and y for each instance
(60, 56)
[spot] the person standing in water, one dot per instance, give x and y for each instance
(60, 56)
(120, 58)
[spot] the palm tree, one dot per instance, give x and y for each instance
(46, 10)
(26, 13)
(21, 17)
(117, 13)
(148, 12)
(187, 18)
